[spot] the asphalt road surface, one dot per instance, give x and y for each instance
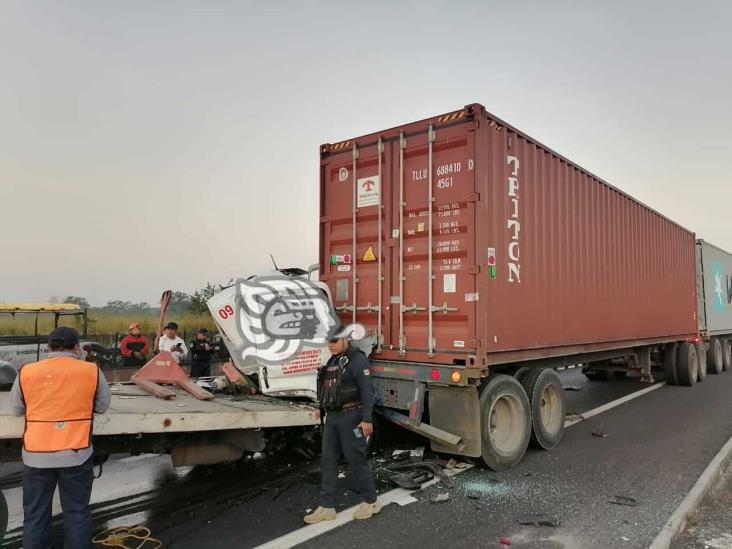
(656, 447)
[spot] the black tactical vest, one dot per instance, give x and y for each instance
(334, 392)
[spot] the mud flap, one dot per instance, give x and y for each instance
(456, 410)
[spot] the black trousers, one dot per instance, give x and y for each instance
(201, 368)
(131, 361)
(74, 486)
(339, 440)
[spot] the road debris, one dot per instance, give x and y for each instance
(433, 466)
(539, 519)
(504, 541)
(451, 463)
(599, 433)
(473, 495)
(405, 500)
(624, 500)
(440, 497)
(411, 481)
(415, 452)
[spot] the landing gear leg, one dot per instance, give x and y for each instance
(644, 361)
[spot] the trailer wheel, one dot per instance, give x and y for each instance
(505, 422)
(3, 517)
(687, 367)
(670, 354)
(546, 398)
(521, 373)
(701, 353)
(715, 356)
(727, 348)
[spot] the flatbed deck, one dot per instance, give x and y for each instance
(133, 411)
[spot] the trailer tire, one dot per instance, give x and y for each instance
(3, 517)
(521, 373)
(505, 422)
(727, 352)
(715, 358)
(701, 353)
(546, 397)
(687, 367)
(670, 354)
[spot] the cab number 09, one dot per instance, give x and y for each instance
(226, 312)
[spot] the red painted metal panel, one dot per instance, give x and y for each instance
(578, 264)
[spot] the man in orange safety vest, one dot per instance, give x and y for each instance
(58, 397)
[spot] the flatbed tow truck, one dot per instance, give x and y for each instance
(192, 431)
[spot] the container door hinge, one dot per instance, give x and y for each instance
(475, 197)
(474, 270)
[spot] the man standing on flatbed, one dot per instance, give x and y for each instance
(346, 396)
(58, 397)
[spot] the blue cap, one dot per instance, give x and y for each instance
(66, 337)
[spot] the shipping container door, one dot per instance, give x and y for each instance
(435, 254)
(355, 196)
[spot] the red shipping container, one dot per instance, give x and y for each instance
(470, 243)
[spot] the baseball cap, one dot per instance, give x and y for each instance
(337, 332)
(171, 326)
(66, 337)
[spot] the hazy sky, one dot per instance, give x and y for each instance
(151, 145)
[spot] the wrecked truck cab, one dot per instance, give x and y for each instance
(276, 326)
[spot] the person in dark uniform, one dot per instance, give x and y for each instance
(346, 398)
(201, 352)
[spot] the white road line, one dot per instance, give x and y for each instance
(344, 517)
(617, 402)
(311, 531)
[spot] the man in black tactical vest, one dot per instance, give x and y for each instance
(346, 398)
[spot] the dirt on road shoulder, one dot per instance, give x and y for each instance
(711, 526)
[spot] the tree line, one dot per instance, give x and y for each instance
(180, 303)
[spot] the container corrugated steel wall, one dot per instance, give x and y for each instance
(714, 275)
(524, 255)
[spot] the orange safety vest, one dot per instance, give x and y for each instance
(59, 404)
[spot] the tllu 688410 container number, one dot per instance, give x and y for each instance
(453, 167)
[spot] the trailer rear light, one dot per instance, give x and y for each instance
(456, 376)
(434, 374)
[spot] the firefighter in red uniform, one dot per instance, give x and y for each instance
(134, 347)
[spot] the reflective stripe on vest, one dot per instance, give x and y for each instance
(59, 404)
